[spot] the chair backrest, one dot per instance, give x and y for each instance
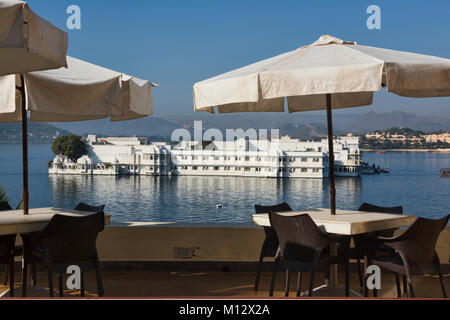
(418, 242)
(281, 207)
(373, 208)
(299, 236)
(86, 207)
(270, 233)
(71, 239)
(4, 206)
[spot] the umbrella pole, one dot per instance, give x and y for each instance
(24, 146)
(331, 156)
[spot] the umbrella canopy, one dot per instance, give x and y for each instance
(82, 91)
(347, 71)
(329, 73)
(28, 42)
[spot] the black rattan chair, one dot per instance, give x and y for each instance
(414, 252)
(25, 238)
(270, 244)
(8, 251)
(305, 248)
(86, 207)
(67, 240)
(361, 245)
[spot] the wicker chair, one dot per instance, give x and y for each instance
(26, 239)
(86, 207)
(414, 252)
(358, 252)
(8, 251)
(65, 241)
(270, 244)
(303, 248)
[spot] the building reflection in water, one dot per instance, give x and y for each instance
(194, 198)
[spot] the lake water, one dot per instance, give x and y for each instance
(414, 182)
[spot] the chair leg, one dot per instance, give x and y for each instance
(397, 282)
(24, 277)
(82, 283)
(299, 283)
(347, 280)
(33, 274)
(5, 281)
(258, 271)
(99, 280)
(286, 286)
(272, 282)
(360, 275)
(411, 287)
(366, 264)
(60, 284)
(11, 276)
(311, 282)
(405, 286)
(50, 283)
(441, 279)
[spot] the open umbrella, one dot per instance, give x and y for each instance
(82, 91)
(27, 43)
(328, 74)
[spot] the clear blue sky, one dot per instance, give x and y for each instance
(177, 43)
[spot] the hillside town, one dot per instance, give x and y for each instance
(399, 138)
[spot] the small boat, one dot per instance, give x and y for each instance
(386, 170)
(367, 169)
(380, 152)
(218, 205)
(445, 173)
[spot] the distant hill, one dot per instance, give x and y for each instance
(149, 126)
(372, 121)
(298, 125)
(38, 132)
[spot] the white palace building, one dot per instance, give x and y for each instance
(283, 157)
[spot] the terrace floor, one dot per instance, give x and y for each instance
(213, 284)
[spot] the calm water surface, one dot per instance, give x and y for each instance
(414, 182)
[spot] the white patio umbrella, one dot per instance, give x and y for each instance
(330, 73)
(82, 91)
(27, 43)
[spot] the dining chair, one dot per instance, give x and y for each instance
(26, 239)
(8, 251)
(414, 253)
(65, 241)
(305, 248)
(86, 207)
(270, 244)
(361, 241)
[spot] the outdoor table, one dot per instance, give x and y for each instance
(14, 221)
(345, 222)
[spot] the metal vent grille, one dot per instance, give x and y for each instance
(183, 252)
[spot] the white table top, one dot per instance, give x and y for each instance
(14, 221)
(346, 222)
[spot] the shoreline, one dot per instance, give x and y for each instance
(407, 150)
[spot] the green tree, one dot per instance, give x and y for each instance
(70, 146)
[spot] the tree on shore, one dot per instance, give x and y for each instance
(70, 146)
